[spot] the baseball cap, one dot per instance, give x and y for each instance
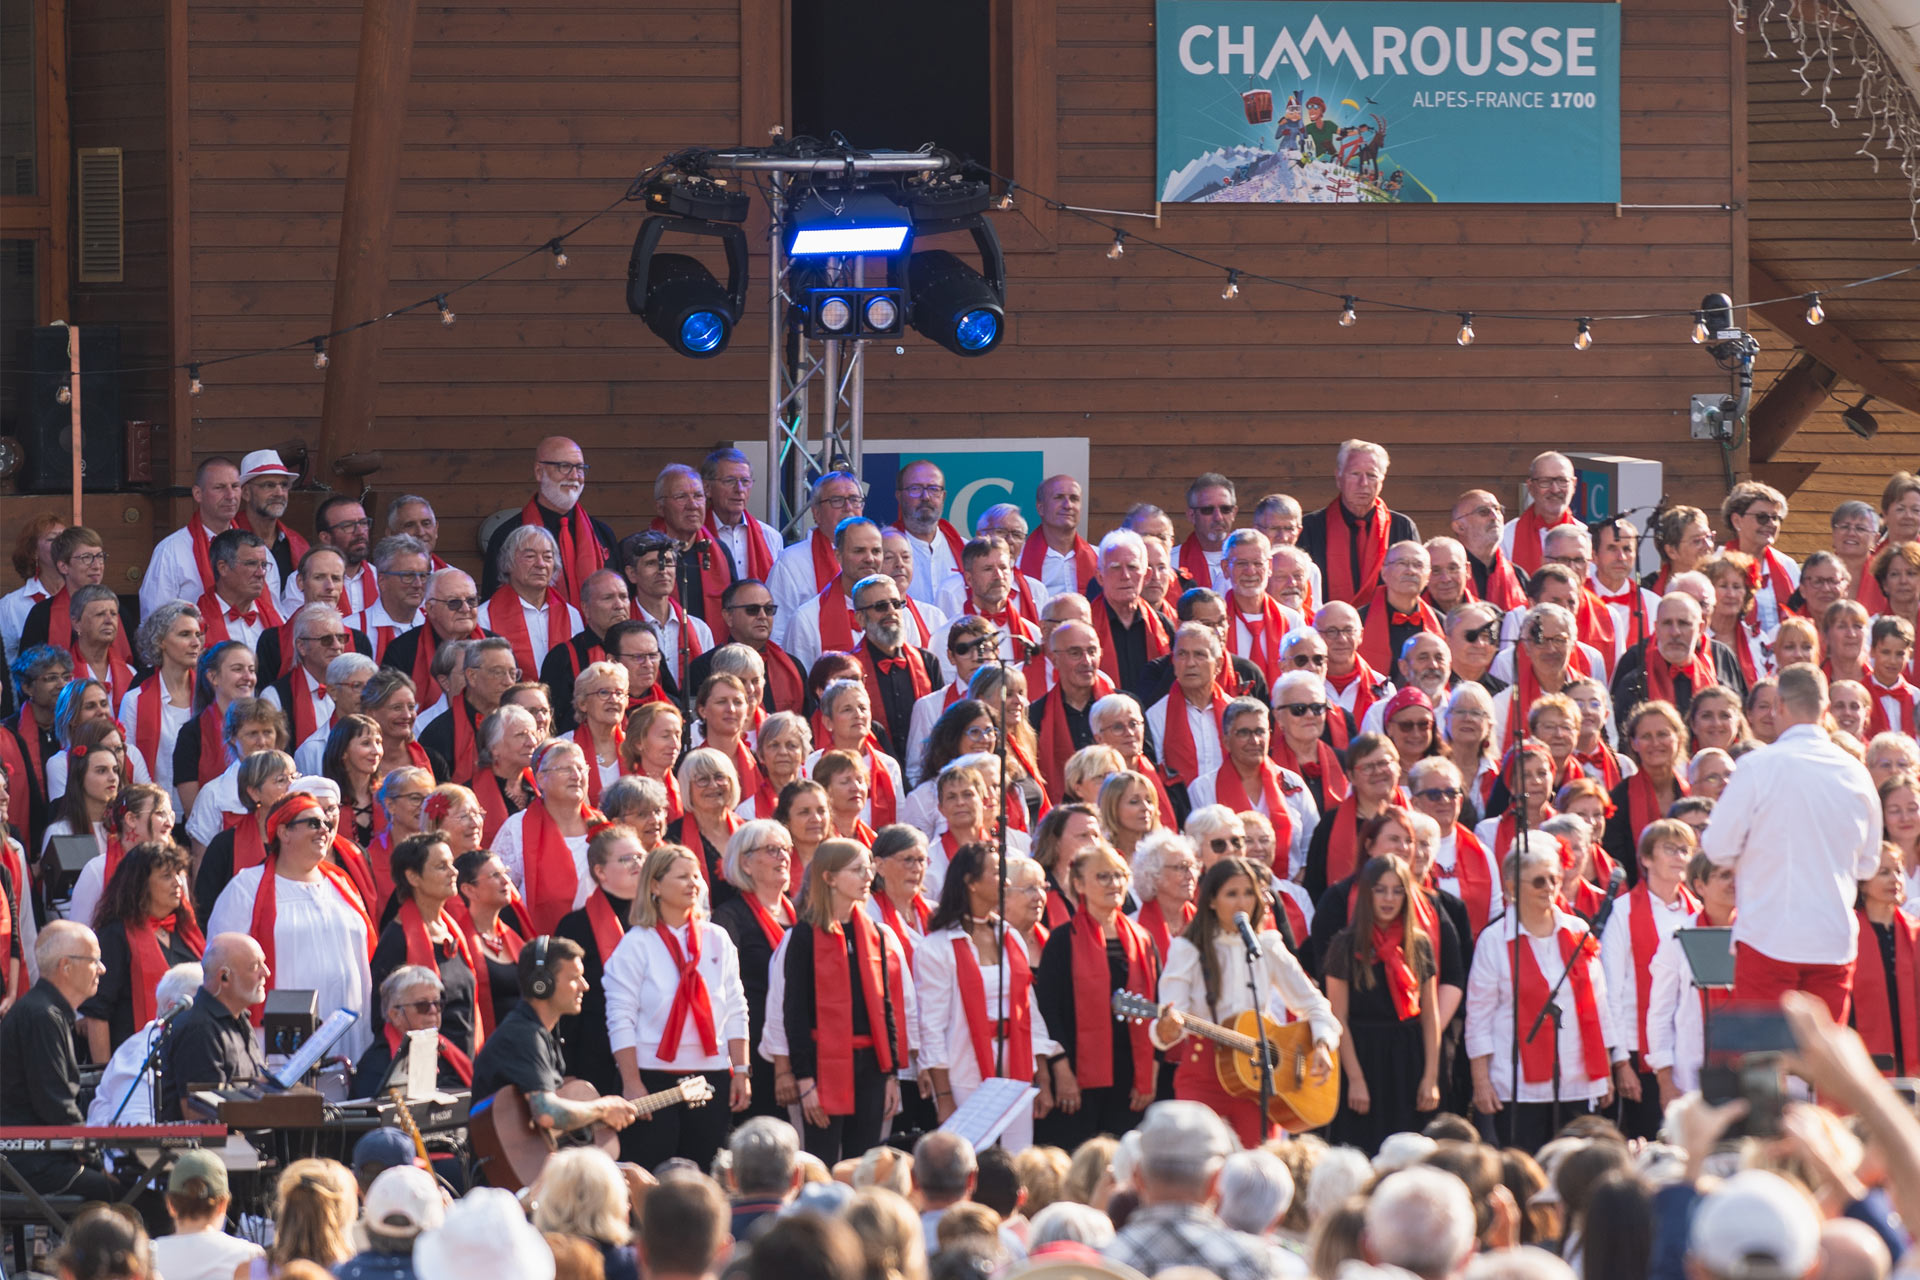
(264, 462)
(382, 1149)
(202, 1165)
(1755, 1226)
(1182, 1135)
(403, 1201)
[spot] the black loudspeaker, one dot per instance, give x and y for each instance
(290, 1017)
(49, 423)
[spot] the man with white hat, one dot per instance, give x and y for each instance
(1183, 1146)
(402, 1203)
(1754, 1226)
(485, 1234)
(265, 483)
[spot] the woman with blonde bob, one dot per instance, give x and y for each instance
(1088, 769)
(782, 748)
(582, 1194)
(675, 1008)
(890, 1234)
(710, 789)
(1129, 808)
(651, 746)
(599, 704)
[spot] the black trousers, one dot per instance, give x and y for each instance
(763, 1103)
(61, 1175)
(857, 1133)
(1528, 1125)
(1104, 1110)
(1641, 1119)
(693, 1133)
(917, 1116)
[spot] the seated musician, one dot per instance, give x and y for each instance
(522, 1050)
(128, 1091)
(410, 1000)
(212, 1043)
(38, 1064)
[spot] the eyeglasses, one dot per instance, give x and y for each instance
(907, 859)
(782, 850)
(408, 797)
(407, 575)
(924, 490)
(509, 674)
(982, 733)
(1865, 530)
(333, 640)
(1110, 879)
(340, 525)
(639, 657)
(626, 860)
(841, 502)
(1438, 794)
(1181, 869)
(578, 469)
(1220, 844)
(614, 694)
(1545, 882)
(881, 606)
(457, 604)
(755, 610)
(1220, 509)
(425, 1006)
(88, 559)
(1550, 482)
(742, 483)
(1339, 633)
(1301, 710)
(91, 961)
(1249, 734)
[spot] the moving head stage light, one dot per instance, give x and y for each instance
(675, 293)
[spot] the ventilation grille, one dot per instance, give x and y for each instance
(102, 216)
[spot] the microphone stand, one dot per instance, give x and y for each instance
(1267, 1054)
(149, 1070)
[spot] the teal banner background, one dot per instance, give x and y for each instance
(1422, 102)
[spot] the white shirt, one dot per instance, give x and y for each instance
(1302, 812)
(947, 1037)
(429, 714)
(217, 798)
(1769, 608)
(641, 979)
(209, 1254)
(381, 627)
(888, 763)
(951, 598)
(1675, 1034)
(507, 843)
(1446, 869)
(1491, 1011)
(933, 567)
(1200, 723)
(57, 768)
(1623, 634)
(1059, 572)
(14, 608)
(1019, 845)
(171, 719)
(699, 639)
(311, 755)
(87, 890)
(1800, 824)
(237, 625)
(1183, 986)
(172, 572)
(29, 927)
(362, 589)
(773, 1035)
(792, 583)
(734, 538)
(926, 712)
(126, 1066)
(535, 616)
(1346, 698)
(320, 944)
(1616, 957)
(322, 704)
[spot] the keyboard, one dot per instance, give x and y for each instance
(125, 1137)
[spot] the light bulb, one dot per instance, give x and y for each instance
(1232, 290)
(1465, 336)
(1119, 246)
(194, 385)
(446, 312)
(1348, 316)
(64, 395)
(1816, 314)
(1005, 201)
(1700, 331)
(320, 353)
(1584, 338)
(559, 254)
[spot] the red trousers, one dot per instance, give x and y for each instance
(1761, 978)
(1196, 1080)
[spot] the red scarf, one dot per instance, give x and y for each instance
(785, 681)
(1341, 839)
(504, 611)
(584, 736)
(450, 1053)
(716, 575)
(17, 877)
(249, 846)
(202, 550)
(1390, 945)
(1643, 806)
(1325, 765)
(213, 746)
(1179, 753)
(1230, 791)
(1016, 804)
(833, 1007)
(1661, 673)
(581, 554)
(1873, 1003)
(505, 940)
(348, 858)
(1503, 584)
(428, 643)
(422, 950)
(1536, 1055)
(301, 688)
(1508, 828)
(607, 927)
(1645, 934)
(759, 554)
(1376, 633)
(216, 613)
(770, 929)
(956, 544)
(60, 635)
(147, 715)
(369, 591)
(890, 914)
(1593, 627)
(1603, 759)
(150, 962)
(1639, 627)
(836, 618)
(826, 565)
(1092, 995)
(1103, 622)
(547, 868)
(266, 913)
(1903, 693)
(1154, 921)
(1296, 918)
(381, 634)
(1193, 562)
(1473, 873)
(1356, 584)
(870, 667)
(1019, 1009)
(1527, 682)
(1263, 637)
(1529, 532)
(492, 795)
(1033, 559)
(1369, 682)
(1060, 908)
(690, 998)
(1056, 738)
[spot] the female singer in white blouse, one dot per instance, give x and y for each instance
(957, 969)
(1588, 1045)
(675, 1008)
(1206, 977)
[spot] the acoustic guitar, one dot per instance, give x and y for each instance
(1299, 1103)
(510, 1149)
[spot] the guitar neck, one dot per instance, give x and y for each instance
(1220, 1035)
(647, 1104)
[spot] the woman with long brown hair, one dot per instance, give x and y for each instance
(489, 912)
(139, 811)
(224, 672)
(1206, 977)
(351, 758)
(146, 926)
(423, 932)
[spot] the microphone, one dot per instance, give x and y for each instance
(1615, 886)
(166, 1019)
(1245, 926)
(1025, 647)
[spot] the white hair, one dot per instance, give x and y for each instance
(519, 538)
(1104, 709)
(1203, 822)
(1256, 1190)
(1301, 679)
(348, 665)
(1522, 1263)
(1418, 771)
(1350, 447)
(1544, 612)
(1338, 1175)
(1403, 1150)
(320, 611)
(1707, 755)
(671, 472)
(1576, 530)
(1119, 538)
(1151, 854)
(176, 987)
(1571, 826)
(1206, 633)
(1420, 1219)
(1067, 1220)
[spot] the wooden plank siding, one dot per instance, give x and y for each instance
(523, 117)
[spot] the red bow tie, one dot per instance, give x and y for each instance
(1626, 598)
(319, 692)
(250, 617)
(1404, 619)
(889, 664)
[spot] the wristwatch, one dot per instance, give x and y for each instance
(743, 1069)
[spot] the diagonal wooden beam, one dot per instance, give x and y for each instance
(1828, 344)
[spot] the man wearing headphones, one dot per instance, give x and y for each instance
(212, 1045)
(522, 1051)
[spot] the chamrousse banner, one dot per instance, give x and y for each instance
(1364, 102)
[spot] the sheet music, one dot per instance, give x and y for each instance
(423, 1063)
(315, 1048)
(989, 1109)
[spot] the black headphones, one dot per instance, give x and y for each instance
(540, 982)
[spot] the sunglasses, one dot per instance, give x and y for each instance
(315, 823)
(756, 610)
(1301, 710)
(1545, 882)
(1225, 509)
(882, 606)
(1220, 844)
(1437, 794)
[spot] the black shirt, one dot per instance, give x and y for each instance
(756, 959)
(456, 1012)
(1482, 572)
(896, 692)
(437, 737)
(1079, 728)
(798, 1005)
(37, 1060)
(562, 666)
(1314, 536)
(208, 1046)
(1883, 934)
(521, 1052)
(1053, 992)
(583, 1035)
(216, 869)
(1129, 646)
(113, 1002)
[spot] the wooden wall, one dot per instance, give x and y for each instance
(525, 116)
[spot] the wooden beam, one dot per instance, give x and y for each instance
(1830, 345)
(366, 229)
(1792, 399)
